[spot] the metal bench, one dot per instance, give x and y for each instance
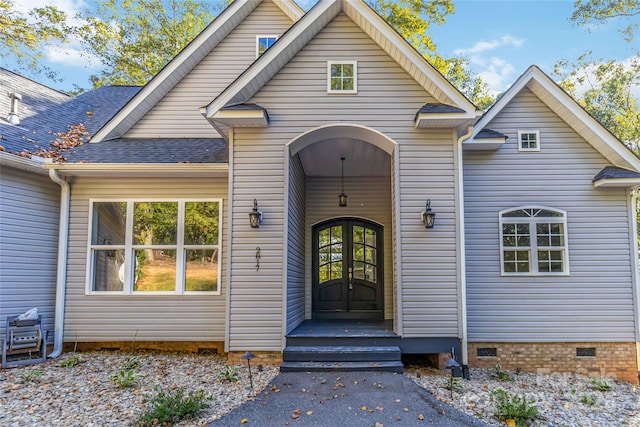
(24, 342)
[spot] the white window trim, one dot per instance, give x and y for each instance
(533, 255)
(263, 36)
(355, 77)
(129, 247)
(521, 132)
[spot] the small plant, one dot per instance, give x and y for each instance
(31, 376)
(502, 375)
(124, 379)
(601, 384)
(71, 361)
(169, 408)
(454, 384)
(588, 399)
(229, 374)
(132, 363)
(513, 407)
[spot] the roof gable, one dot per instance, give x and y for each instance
(567, 109)
(263, 70)
(184, 62)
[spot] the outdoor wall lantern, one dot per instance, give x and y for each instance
(428, 217)
(342, 198)
(255, 216)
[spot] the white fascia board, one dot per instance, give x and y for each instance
(140, 169)
(242, 118)
(290, 8)
(616, 182)
(166, 78)
(33, 164)
(483, 144)
(271, 56)
(602, 133)
(419, 62)
(504, 100)
(443, 120)
(533, 73)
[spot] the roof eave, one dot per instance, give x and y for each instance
(443, 120)
(242, 118)
(483, 144)
(33, 164)
(141, 169)
(616, 182)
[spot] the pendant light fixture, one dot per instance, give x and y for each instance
(342, 198)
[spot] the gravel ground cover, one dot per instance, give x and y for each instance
(562, 400)
(58, 394)
(55, 394)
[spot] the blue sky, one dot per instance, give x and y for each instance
(501, 39)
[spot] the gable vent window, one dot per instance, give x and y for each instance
(533, 241)
(528, 140)
(342, 77)
(263, 43)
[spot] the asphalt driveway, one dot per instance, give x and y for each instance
(345, 399)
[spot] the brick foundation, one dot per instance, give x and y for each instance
(189, 346)
(261, 357)
(612, 360)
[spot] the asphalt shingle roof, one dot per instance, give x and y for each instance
(439, 108)
(488, 133)
(44, 111)
(612, 172)
(159, 150)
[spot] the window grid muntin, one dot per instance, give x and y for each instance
(528, 140)
(129, 247)
(264, 42)
(543, 259)
(340, 79)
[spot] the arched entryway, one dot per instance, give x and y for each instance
(348, 269)
(315, 178)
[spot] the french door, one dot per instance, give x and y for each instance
(347, 270)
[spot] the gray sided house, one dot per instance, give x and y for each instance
(205, 213)
(30, 198)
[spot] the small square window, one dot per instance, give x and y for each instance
(263, 43)
(529, 140)
(342, 77)
(585, 352)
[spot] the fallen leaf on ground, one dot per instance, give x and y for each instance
(309, 412)
(364, 408)
(421, 417)
(405, 409)
(397, 400)
(244, 421)
(297, 411)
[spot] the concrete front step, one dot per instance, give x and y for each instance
(382, 366)
(341, 353)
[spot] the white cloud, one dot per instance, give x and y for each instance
(498, 74)
(589, 77)
(70, 53)
(483, 46)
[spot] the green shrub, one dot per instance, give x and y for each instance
(601, 384)
(502, 375)
(513, 407)
(71, 361)
(31, 376)
(132, 363)
(125, 378)
(171, 407)
(229, 374)
(589, 399)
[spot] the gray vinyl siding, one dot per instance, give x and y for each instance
(94, 318)
(369, 198)
(29, 222)
(593, 303)
(297, 101)
(295, 249)
(177, 115)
